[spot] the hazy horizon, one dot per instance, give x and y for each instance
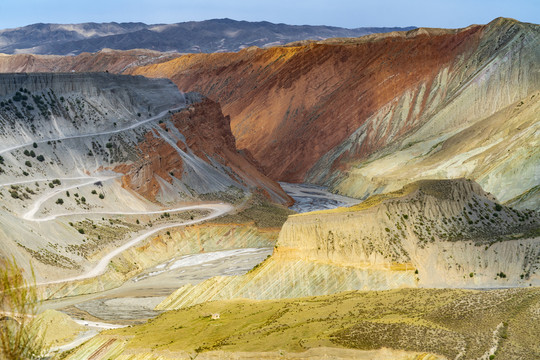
(340, 13)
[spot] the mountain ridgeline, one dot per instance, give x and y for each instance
(217, 35)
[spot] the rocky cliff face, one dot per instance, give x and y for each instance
(201, 152)
(327, 109)
(429, 234)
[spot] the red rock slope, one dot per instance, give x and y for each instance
(291, 105)
(203, 134)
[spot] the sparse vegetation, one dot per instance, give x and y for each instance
(430, 321)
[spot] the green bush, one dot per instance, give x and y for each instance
(28, 163)
(40, 158)
(59, 201)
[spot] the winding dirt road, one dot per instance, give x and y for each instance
(133, 126)
(217, 209)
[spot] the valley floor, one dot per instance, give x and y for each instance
(415, 323)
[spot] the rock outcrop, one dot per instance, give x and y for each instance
(432, 233)
(326, 110)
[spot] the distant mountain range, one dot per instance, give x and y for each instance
(218, 35)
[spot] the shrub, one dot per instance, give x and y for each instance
(102, 196)
(60, 201)
(26, 152)
(498, 207)
(108, 145)
(83, 199)
(34, 145)
(94, 192)
(18, 339)
(40, 158)
(81, 231)
(28, 163)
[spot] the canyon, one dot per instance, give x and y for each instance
(367, 197)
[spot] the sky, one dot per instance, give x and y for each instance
(343, 13)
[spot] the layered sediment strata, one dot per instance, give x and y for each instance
(432, 233)
(334, 112)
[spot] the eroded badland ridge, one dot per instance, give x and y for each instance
(357, 115)
(436, 233)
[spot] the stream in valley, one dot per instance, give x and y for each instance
(310, 197)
